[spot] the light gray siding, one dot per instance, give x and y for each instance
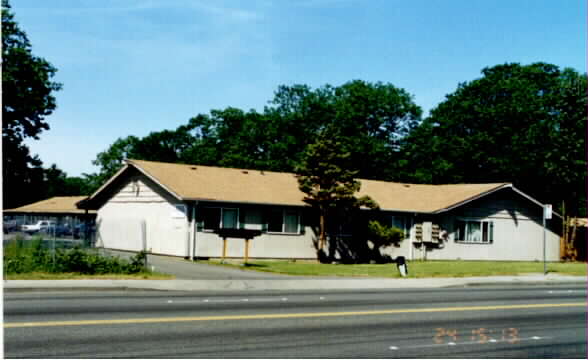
(517, 232)
(138, 216)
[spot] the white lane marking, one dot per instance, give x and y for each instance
(393, 348)
(470, 343)
(322, 298)
(565, 291)
(220, 301)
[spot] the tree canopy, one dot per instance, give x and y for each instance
(524, 124)
(27, 99)
(371, 117)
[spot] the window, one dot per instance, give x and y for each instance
(474, 231)
(274, 221)
(230, 218)
(211, 217)
(401, 223)
(290, 221)
(252, 219)
(283, 221)
(216, 218)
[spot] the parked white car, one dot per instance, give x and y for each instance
(41, 225)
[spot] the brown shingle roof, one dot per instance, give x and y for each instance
(54, 205)
(195, 182)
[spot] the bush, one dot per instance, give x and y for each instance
(23, 257)
(138, 263)
(383, 236)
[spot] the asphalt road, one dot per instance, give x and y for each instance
(522, 322)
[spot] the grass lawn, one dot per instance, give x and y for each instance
(416, 269)
(77, 276)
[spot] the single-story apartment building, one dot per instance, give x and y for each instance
(60, 210)
(180, 210)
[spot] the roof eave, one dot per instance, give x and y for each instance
(503, 186)
(470, 199)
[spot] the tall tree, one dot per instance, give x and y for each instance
(27, 99)
(373, 118)
(327, 177)
(370, 117)
(112, 159)
(518, 123)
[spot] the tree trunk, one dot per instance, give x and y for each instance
(322, 229)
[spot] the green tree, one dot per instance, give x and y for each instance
(112, 159)
(27, 99)
(371, 118)
(524, 124)
(327, 177)
(57, 183)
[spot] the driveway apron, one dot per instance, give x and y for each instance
(186, 270)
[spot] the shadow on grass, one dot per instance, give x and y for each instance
(253, 266)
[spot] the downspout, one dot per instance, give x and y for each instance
(188, 229)
(411, 237)
(194, 229)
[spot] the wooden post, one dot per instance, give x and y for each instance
(224, 248)
(246, 250)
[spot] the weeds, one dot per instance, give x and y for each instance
(22, 256)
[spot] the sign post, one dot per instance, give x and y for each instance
(547, 210)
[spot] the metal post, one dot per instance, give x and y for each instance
(194, 230)
(544, 251)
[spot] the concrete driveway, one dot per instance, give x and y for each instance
(186, 270)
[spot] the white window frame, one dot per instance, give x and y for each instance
(283, 232)
(490, 234)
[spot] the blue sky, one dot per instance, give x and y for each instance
(129, 67)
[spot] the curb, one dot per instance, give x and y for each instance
(12, 286)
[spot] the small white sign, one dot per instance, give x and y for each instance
(548, 210)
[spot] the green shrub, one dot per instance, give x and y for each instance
(28, 256)
(137, 263)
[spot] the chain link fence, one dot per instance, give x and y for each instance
(54, 232)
